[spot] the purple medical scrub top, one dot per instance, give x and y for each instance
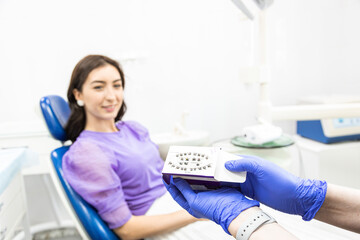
(119, 173)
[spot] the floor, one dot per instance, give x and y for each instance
(58, 234)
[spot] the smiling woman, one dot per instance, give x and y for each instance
(98, 82)
(114, 165)
(102, 97)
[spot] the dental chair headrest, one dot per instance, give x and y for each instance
(56, 113)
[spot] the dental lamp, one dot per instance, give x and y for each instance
(267, 113)
(262, 4)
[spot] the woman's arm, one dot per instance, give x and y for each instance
(341, 208)
(144, 226)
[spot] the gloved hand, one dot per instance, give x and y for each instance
(221, 205)
(279, 189)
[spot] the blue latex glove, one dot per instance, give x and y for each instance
(221, 205)
(279, 189)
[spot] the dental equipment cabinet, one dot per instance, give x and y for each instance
(43, 209)
(13, 204)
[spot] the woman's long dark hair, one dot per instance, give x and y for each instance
(77, 119)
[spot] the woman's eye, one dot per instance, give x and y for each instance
(98, 87)
(117, 86)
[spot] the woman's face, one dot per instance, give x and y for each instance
(102, 94)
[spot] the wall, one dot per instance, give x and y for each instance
(177, 55)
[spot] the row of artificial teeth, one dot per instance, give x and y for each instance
(193, 159)
(192, 169)
(189, 154)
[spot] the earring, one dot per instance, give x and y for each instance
(80, 103)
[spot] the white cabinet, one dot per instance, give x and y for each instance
(337, 163)
(12, 208)
(12, 194)
(45, 209)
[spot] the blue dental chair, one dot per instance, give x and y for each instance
(56, 112)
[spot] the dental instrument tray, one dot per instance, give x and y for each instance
(202, 167)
